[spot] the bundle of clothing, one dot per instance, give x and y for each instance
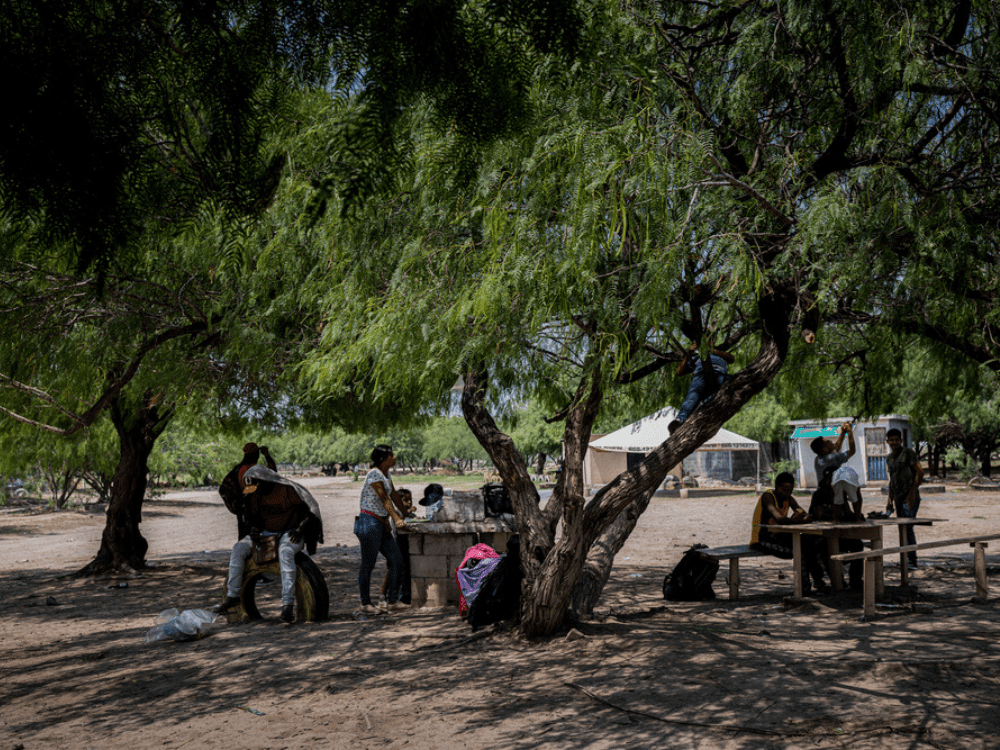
(490, 584)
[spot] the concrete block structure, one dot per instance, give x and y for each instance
(437, 549)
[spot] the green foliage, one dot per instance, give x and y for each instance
(441, 439)
(533, 435)
(967, 466)
(449, 438)
(186, 456)
(764, 419)
(51, 464)
(121, 116)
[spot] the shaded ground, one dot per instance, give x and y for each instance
(747, 674)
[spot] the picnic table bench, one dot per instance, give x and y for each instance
(873, 563)
(733, 553)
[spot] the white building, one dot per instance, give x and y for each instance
(869, 438)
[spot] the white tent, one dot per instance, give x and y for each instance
(650, 432)
(606, 456)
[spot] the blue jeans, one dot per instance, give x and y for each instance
(903, 510)
(286, 559)
(704, 383)
(374, 538)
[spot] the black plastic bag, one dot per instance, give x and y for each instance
(496, 500)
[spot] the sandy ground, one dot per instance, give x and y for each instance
(757, 673)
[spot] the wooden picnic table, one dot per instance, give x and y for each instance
(869, 530)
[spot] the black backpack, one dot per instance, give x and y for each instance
(497, 500)
(691, 580)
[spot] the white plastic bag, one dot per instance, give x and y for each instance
(174, 625)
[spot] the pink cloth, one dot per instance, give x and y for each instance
(476, 552)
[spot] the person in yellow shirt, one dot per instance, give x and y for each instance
(777, 508)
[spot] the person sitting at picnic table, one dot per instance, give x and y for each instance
(905, 475)
(829, 465)
(777, 508)
(705, 381)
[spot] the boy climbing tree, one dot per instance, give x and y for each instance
(705, 381)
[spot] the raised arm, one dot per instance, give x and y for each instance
(851, 448)
(267, 458)
(845, 430)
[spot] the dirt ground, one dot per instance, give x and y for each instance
(756, 673)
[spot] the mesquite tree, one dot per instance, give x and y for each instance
(720, 176)
(129, 345)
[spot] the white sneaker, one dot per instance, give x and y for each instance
(398, 606)
(370, 609)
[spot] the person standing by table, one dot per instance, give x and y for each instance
(777, 508)
(905, 475)
(829, 461)
(847, 490)
(374, 532)
(829, 457)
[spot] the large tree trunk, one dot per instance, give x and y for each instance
(550, 566)
(601, 557)
(630, 492)
(553, 567)
(540, 463)
(548, 600)
(138, 423)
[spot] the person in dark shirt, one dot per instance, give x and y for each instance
(231, 488)
(829, 460)
(273, 506)
(705, 380)
(905, 475)
(776, 508)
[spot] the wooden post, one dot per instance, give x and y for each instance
(871, 569)
(836, 567)
(982, 584)
(734, 578)
(904, 567)
(797, 567)
(879, 566)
